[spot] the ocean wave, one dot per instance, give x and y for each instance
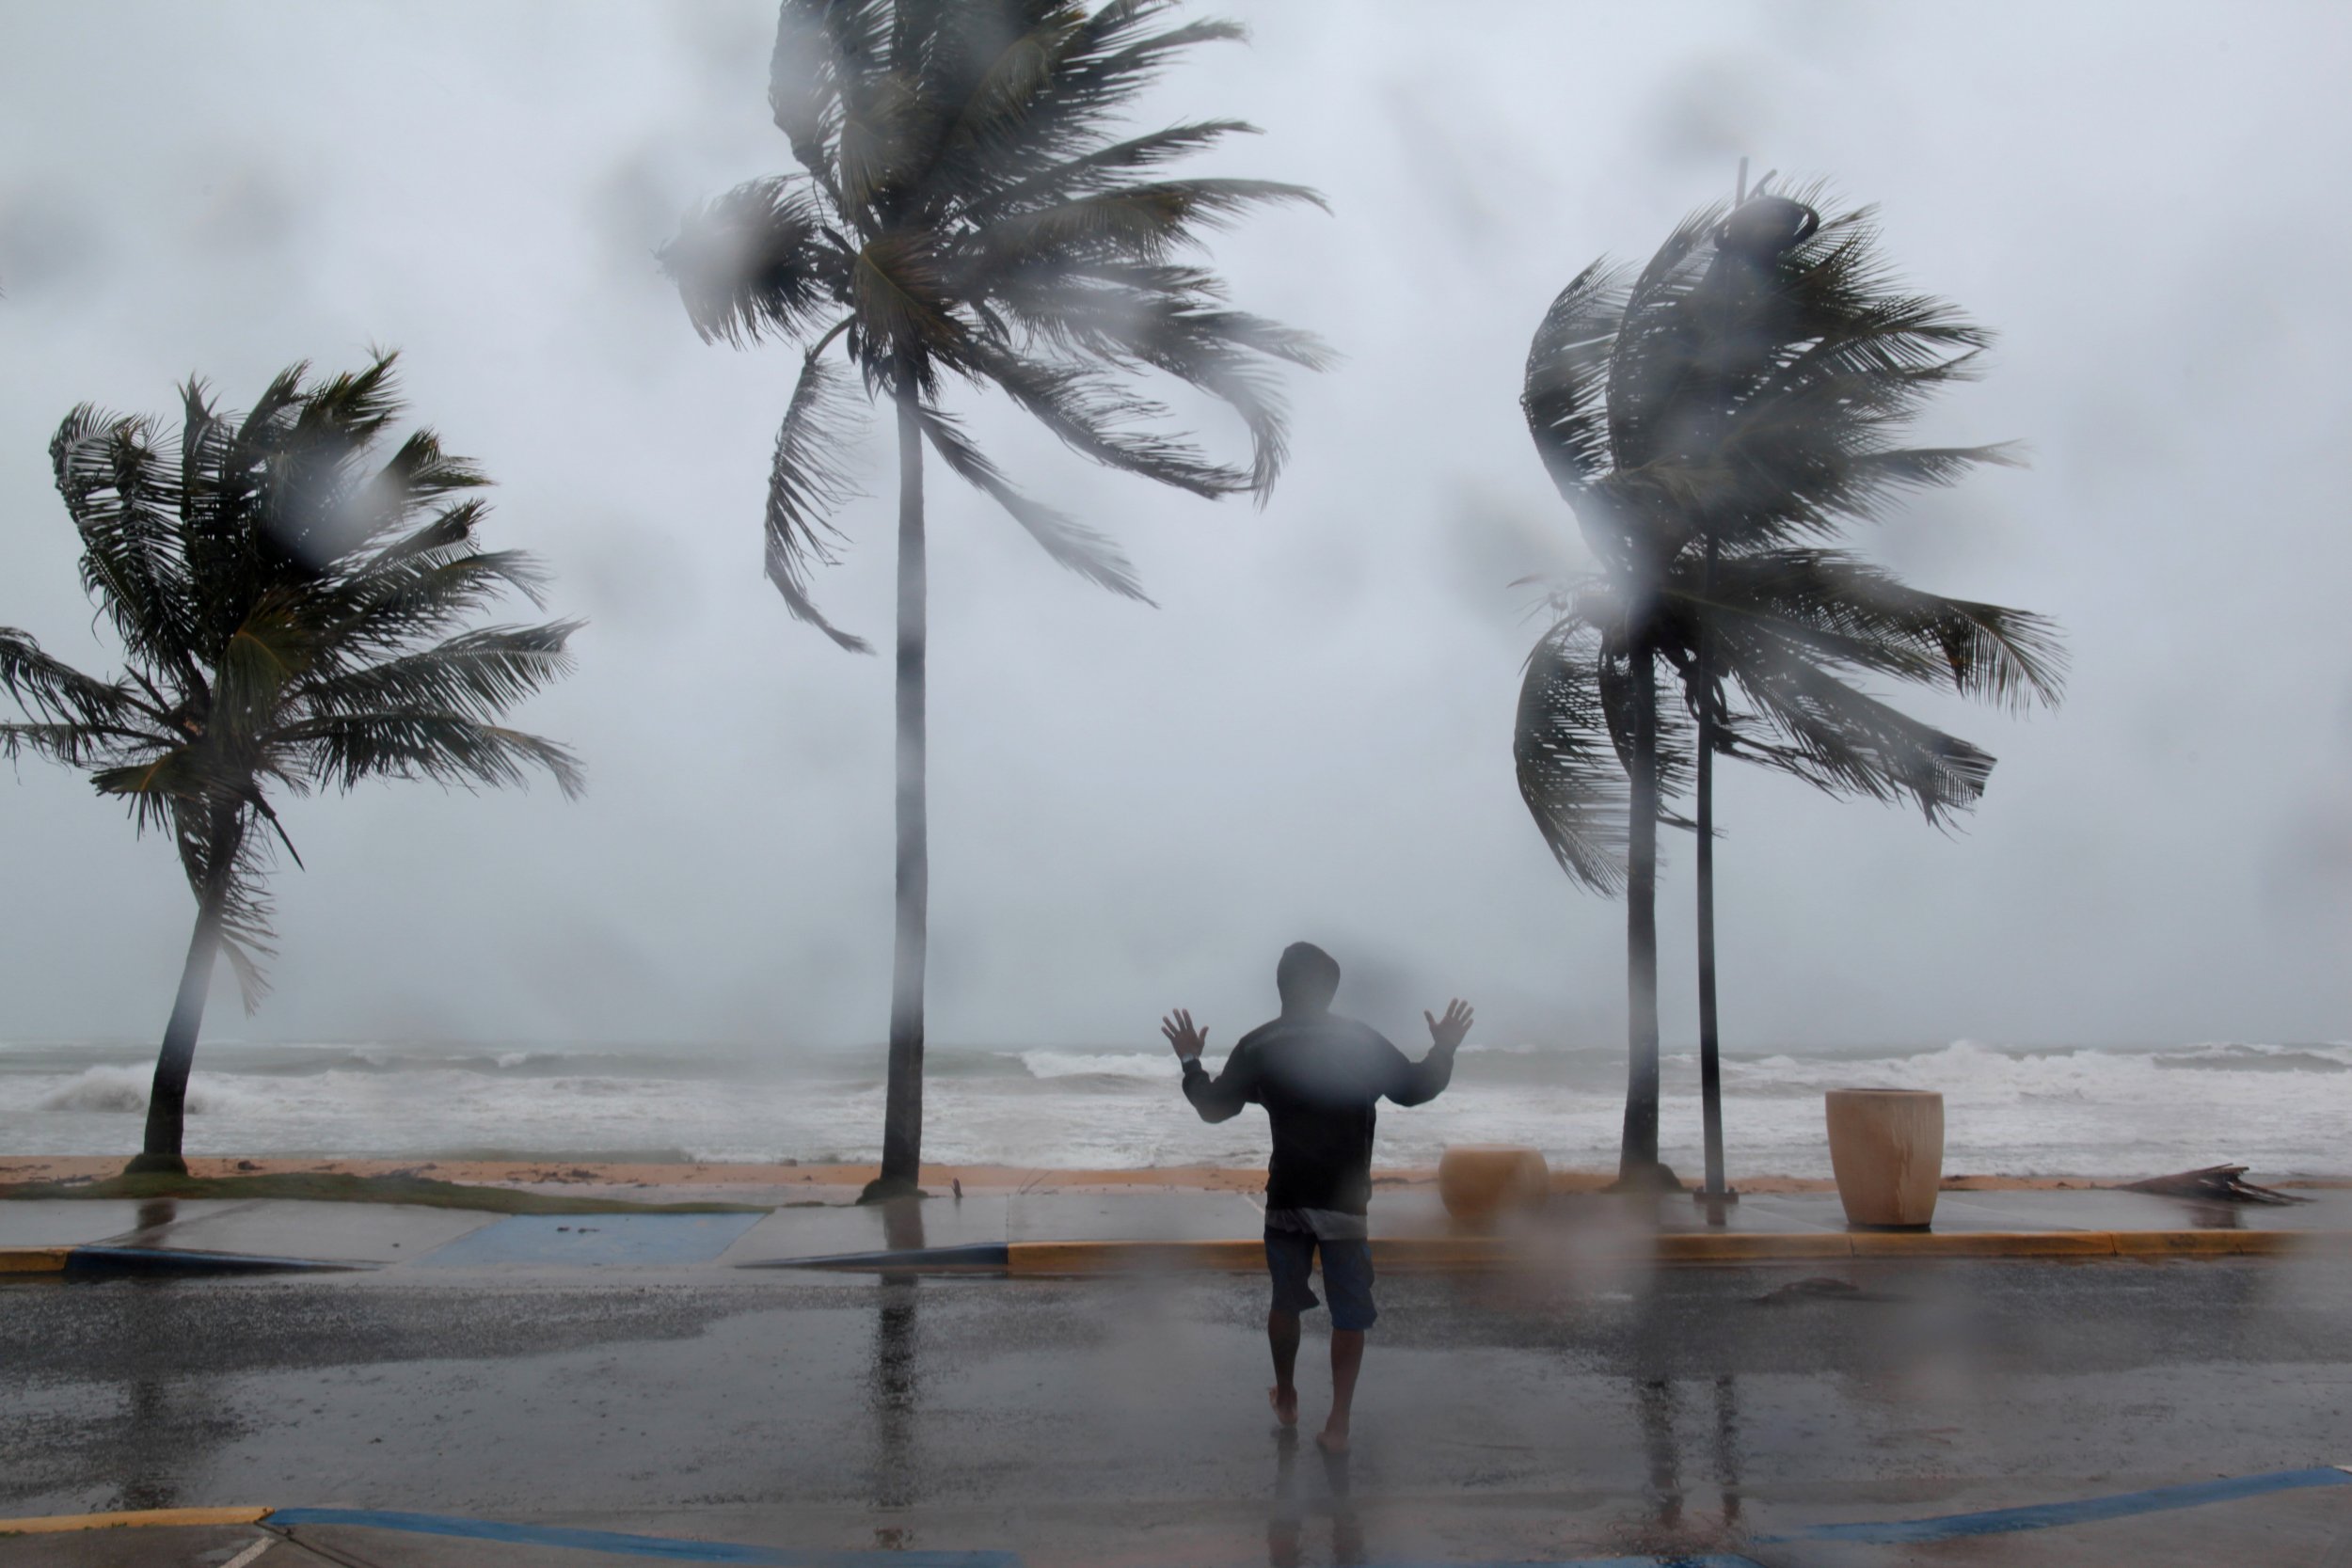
(1098, 1063)
(2279, 1107)
(117, 1089)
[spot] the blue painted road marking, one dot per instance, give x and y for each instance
(623, 1544)
(2122, 1505)
(594, 1239)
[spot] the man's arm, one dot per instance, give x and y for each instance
(1417, 1083)
(1217, 1099)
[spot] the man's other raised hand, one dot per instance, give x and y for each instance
(1189, 1042)
(1448, 1031)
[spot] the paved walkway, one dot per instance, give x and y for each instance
(2169, 1524)
(1080, 1232)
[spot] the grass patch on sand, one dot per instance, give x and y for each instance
(327, 1188)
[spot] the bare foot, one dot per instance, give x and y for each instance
(1332, 1440)
(1285, 1404)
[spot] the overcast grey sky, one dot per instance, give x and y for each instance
(1133, 808)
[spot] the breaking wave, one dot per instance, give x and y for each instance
(2104, 1112)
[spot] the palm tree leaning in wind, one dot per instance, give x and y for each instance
(1712, 419)
(965, 212)
(292, 604)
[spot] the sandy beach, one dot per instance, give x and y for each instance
(791, 1182)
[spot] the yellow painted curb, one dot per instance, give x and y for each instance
(1983, 1243)
(2212, 1244)
(155, 1519)
(33, 1260)
(1476, 1254)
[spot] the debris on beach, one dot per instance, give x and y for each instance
(2214, 1185)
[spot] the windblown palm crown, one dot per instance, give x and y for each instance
(290, 602)
(964, 210)
(1716, 421)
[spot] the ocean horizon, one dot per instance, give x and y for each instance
(2280, 1108)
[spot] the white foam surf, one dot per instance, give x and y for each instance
(2278, 1107)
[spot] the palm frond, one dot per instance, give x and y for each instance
(215, 838)
(52, 690)
(906, 308)
(817, 43)
(755, 260)
(123, 495)
(76, 745)
(448, 749)
(1103, 168)
(808, 481)
(478, 673)
(1564, 390)
(1095, 417)
(1141, 222)
(1569, 776)
(1843, 741)
(1092, 555)
(423, 595)
(1835, 607)
(1101, 67)
(1653, 362)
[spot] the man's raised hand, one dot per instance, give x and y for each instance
(1448, 1031)
(1189, 1041)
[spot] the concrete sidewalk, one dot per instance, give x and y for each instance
(2209, 1521)
(1054, 1232)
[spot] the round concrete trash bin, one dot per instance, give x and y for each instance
(1480, 1183)
(1887, 1149)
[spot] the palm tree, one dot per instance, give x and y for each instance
(293, 605)
(964, 209)
(1710, 420)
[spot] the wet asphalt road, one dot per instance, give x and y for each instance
(1111, 1422)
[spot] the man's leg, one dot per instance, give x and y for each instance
(1288, 1257)
(1348, 1359)
(1348, 1280)
(1281, 1332)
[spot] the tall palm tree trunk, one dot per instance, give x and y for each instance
(1637, 1156)
(168, 1096)
(1710, 1063)
(903, 1113)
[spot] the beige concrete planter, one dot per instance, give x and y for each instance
(1886, 1147)
(1482, 1183)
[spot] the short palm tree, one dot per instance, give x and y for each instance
(1712, 419)
(293, 604)
(965, 212)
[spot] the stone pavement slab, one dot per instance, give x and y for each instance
(43, 1222)
(596, 1240)
(197, 1547)
(323, 1232)
(837, 1230)
(2298, 1528)
(1579, 1223)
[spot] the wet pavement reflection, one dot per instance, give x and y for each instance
(1125, 1421)
(1287, 1542)
(894, 1383)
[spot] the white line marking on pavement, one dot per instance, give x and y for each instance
(246, 1557)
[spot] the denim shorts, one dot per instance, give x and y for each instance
(1347, 1275)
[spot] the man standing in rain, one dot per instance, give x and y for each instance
(1319, 1076)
